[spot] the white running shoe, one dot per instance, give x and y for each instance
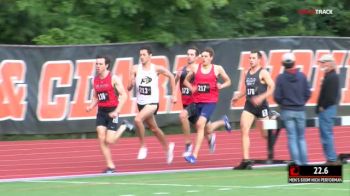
(142, 153)
(212, 143)
(170, 153)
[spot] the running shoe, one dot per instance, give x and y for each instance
(212, 143)
(188, 150)
(142, 153)
(191, 159)
(244, 165)
(170, 153)
(109, 171)
(227, 123)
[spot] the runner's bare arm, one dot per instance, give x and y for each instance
(123, 96)
(167, 73)
(177, 77)
(237, 95)
(190, 76)
(93, 102)
(224, 76)
(266, 77)
(132, 75)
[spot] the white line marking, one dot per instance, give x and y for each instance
(114, 174)
(285, 186)
(53, 178)
(136, 173)
(281, 185)
(225, 189)
(161, 193)
(192, 191)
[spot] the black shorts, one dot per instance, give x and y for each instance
(140, 107)
(103, 119)
(192, 112)
(261, 111)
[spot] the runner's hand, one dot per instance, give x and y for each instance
(174, 99)
(113, 114)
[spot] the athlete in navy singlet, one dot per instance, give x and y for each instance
(259, 86)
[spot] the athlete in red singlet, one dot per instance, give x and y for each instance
(104, 95)
(189, 113)
(205, 90)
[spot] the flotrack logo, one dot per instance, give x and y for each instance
(315, 11)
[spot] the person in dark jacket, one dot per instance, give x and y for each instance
(327, 106)
(291, 93)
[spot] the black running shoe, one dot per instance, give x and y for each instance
(109, 171)
(244, 165)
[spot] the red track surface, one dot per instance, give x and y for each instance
(24, 159)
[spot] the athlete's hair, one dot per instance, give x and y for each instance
(256, 52)
(195, 49)
(210, 51)
(106, 58)
(148, 48)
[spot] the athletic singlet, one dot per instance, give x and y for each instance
(186, 95)
(147, 85)
(206, 84)
(106, 93)
(253, 84)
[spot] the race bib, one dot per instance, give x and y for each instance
(264, 113)
(203, 88)
(250, 91)
(145, 90)
(102, 96)
(185, 91)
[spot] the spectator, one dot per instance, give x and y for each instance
(327, 106)
(291, 93)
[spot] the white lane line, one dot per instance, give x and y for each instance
(136, 173)
(225, 189)
(114, 174)
(284, 186)
(192, 191)
(161, 193)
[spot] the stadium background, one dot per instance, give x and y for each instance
(47, 52)
(45, 89)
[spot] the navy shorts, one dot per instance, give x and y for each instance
(205, 110)
(140, 107)
(192, 112)
(103, 119)
(261, 111)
